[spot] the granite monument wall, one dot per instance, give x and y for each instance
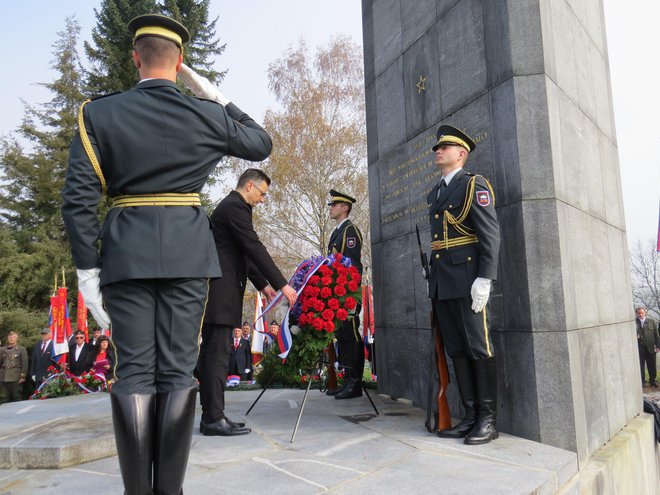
(529, 80)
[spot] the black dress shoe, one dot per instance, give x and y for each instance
(235, 424)
(352, 390)
(333, 391)
(232, 424)
(223, 429)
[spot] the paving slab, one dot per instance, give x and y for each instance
(340, 447)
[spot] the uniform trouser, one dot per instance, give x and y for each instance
(155, 332)
(464, 332)
(351, 348)
(212, 369)
(648, 358)
(12, 391)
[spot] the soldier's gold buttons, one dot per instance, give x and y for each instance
(435, 236)
(451, 206)
(469, 258)
(437, 256)
(437, 216)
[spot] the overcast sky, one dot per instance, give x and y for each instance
(258, 31)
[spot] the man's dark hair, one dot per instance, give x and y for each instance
(252, 175)
(157, 52)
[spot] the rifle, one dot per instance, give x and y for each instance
(443, 417)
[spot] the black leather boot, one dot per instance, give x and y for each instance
(175, 414)
(133, 417)
(484, 430)
(465, 380)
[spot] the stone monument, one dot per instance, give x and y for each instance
(529, 81)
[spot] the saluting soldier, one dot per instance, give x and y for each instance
(152, 149)
(346, 239)
(465, 249)
(13, 368)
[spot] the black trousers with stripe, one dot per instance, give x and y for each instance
(464, 332)
(155, 331)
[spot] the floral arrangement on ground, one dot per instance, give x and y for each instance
(63, 383)
(330, 295)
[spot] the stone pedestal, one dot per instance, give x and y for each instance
(529, 80)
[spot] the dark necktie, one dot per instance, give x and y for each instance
(43, 347)
(443, 186)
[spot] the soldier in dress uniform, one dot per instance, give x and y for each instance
(151, 149)
(465, 249)
(13, 368)
(346, 239)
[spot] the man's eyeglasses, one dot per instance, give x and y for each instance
(263, 194)
(80, 338)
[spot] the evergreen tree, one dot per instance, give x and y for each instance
(203, 46)
(110, 53)
(33, 244)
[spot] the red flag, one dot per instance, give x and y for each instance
(60, 324)
(367, 317)
(81, 314)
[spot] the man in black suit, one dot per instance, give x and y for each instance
(81, 355)
(152, 149)
(239, 356)
(242, 256)
(465, 248)
(346, 239)
(41, 357)
(96, 333)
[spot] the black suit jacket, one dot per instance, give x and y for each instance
(152, 139)
(241, 255)
(40, 361)
(84, 361)
(239, 359)
(454, 270)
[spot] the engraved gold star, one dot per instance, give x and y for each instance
(420, 84)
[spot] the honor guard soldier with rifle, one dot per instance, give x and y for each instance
(465, 248)
(151, 150)
(346, 239)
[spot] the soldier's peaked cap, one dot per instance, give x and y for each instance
(337, 197)
(160, 26)
(448, 134)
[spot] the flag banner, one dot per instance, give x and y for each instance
(258, 331)
(81, 314)
(368, 326)
(59, 322)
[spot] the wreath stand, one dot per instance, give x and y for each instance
(320, 364)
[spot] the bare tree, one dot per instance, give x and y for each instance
(319, 143)
(645, 275)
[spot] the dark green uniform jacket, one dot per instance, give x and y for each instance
(152, 139)
(466, 211)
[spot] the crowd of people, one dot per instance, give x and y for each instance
(86, 353)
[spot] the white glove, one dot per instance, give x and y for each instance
(480, 292)
(201, 86)
(89, 287)
(246, 370)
